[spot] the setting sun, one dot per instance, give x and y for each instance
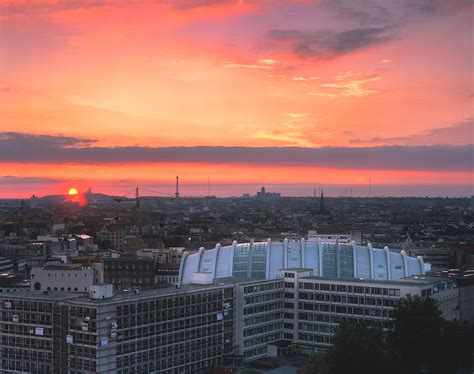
(73, 191)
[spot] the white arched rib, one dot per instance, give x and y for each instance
(389, 268)
(371, 260)
(303, 253)
(216, 255)
(267, 265)
(354, 257)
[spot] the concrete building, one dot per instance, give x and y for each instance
(129, 272)
(160, 331)
(465, 280)
(258, 315)
(313, 236)
(6, 265)
(439, 258)
(11, 282)
(66, 277)
(85, 243)
(163, 255)
(314, 306)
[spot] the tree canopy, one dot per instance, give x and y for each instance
(421, 342)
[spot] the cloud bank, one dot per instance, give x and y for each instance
(28, 148)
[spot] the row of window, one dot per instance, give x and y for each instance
(263, 329)
(263, 318)
(168, 303)
(349, 289)
(262, 308)
(263, 298)
(263, 287)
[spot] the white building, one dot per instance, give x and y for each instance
(313, 236)
(66, 277)
(315, 306)
(263, 260)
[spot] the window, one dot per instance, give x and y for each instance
(394, 292)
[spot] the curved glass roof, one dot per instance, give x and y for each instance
(263, 260)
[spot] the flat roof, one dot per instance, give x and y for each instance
(414, 280)
(296, 269)
(242, 280)
(142, 295)
(37, 295)
(118, 297)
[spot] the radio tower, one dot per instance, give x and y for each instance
(176, 194)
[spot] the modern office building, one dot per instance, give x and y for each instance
(258, 315)
(315, 306)
(263, 260)
(171, 330)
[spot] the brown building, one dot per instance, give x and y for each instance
(129, 272)
(113, 233)
(167, 273)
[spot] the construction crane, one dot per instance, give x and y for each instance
(176, 195)
(138, 198)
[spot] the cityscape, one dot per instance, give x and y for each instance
(236, 187)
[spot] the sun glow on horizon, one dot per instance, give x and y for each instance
(73, 191)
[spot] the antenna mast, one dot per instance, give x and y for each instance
(176, 194)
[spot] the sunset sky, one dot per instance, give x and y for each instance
(294, 95)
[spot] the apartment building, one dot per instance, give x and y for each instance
(168, 330)
(31, 333)
(129, 272)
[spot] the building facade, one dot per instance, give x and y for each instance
(160, 331)
(315, 306)
(129, 272)
(66, 277)
(258, 317)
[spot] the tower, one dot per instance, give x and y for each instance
(176, 194)
(321, 202)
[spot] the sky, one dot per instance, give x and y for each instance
(365, 96)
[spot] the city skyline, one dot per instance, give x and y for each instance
(293, 95)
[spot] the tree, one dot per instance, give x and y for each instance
(316, 365)
(423, 342)
(416, 334)
(356, 346)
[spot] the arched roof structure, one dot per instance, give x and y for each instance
(263, 260)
